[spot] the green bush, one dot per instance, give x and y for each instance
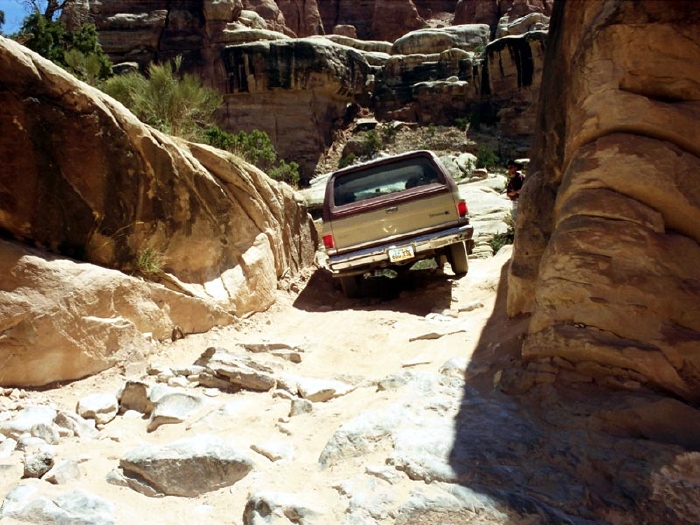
(461, 122)
(217, 137)
(486, 157)
(346, 161)
(388, 134)
(149, 262)
(499, 240)
(257, 149)
(177, 105)
(372, 143)
(286, 172)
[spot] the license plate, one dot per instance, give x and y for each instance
(401, 254)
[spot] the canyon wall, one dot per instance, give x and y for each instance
(608, 232)
(301, 91)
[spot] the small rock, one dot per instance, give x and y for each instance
(188, 467)
(7, 447)
(46, 432)
(178, 381)
(320, 390)
(391, 382)
(24, 504)
(275, 450)
(277, 507)
(471, 306)
(156, 369)
(26, 419)
(65, 472)
(38, 463)
(186, 371)
(75, 425)
(27, 442)
(103, 408)
(300, 406)
(284, 394)
(175, 407)
(134, 396)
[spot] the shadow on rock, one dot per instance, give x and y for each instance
(576, 453)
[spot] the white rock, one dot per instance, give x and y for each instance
(275, 450)
(322, 389)
(27, 418)
(188, 467)
(101, 407)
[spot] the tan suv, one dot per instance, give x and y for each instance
(391, 213)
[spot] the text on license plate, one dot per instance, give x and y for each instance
(400, 254)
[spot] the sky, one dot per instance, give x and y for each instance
(14, 14)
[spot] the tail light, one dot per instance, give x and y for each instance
(328, 241)
(462, 209)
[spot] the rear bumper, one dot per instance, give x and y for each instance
(377, 256)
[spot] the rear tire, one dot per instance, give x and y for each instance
(457, 256)
(350, 285)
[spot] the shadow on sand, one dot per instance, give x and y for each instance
(416, 292)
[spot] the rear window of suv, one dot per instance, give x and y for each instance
(377, 181)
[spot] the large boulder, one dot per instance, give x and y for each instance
(62, 320)
(608, 236)
(425, 41)
(94, 184)
(187, 467)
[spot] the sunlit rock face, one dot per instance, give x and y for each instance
(95, 184)
(608, 236)
(492, 12)
(82, 178)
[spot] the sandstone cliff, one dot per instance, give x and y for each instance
(607, 241)
(496, 12)
(82, 177)
(400, 59)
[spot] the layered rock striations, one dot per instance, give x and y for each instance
(495, 12)
(512, 77)
(296, 90)
(300, 91)
(83, 178)
(608, 240)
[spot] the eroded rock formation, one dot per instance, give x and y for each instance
(83, 178)
(608, 240)
(386, 57)
(297, 90)
(491, 12)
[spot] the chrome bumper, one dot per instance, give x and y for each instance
(378, 254)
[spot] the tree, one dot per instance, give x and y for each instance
(48, 9)
(173, 103)
(2, 19)
(77, 51)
